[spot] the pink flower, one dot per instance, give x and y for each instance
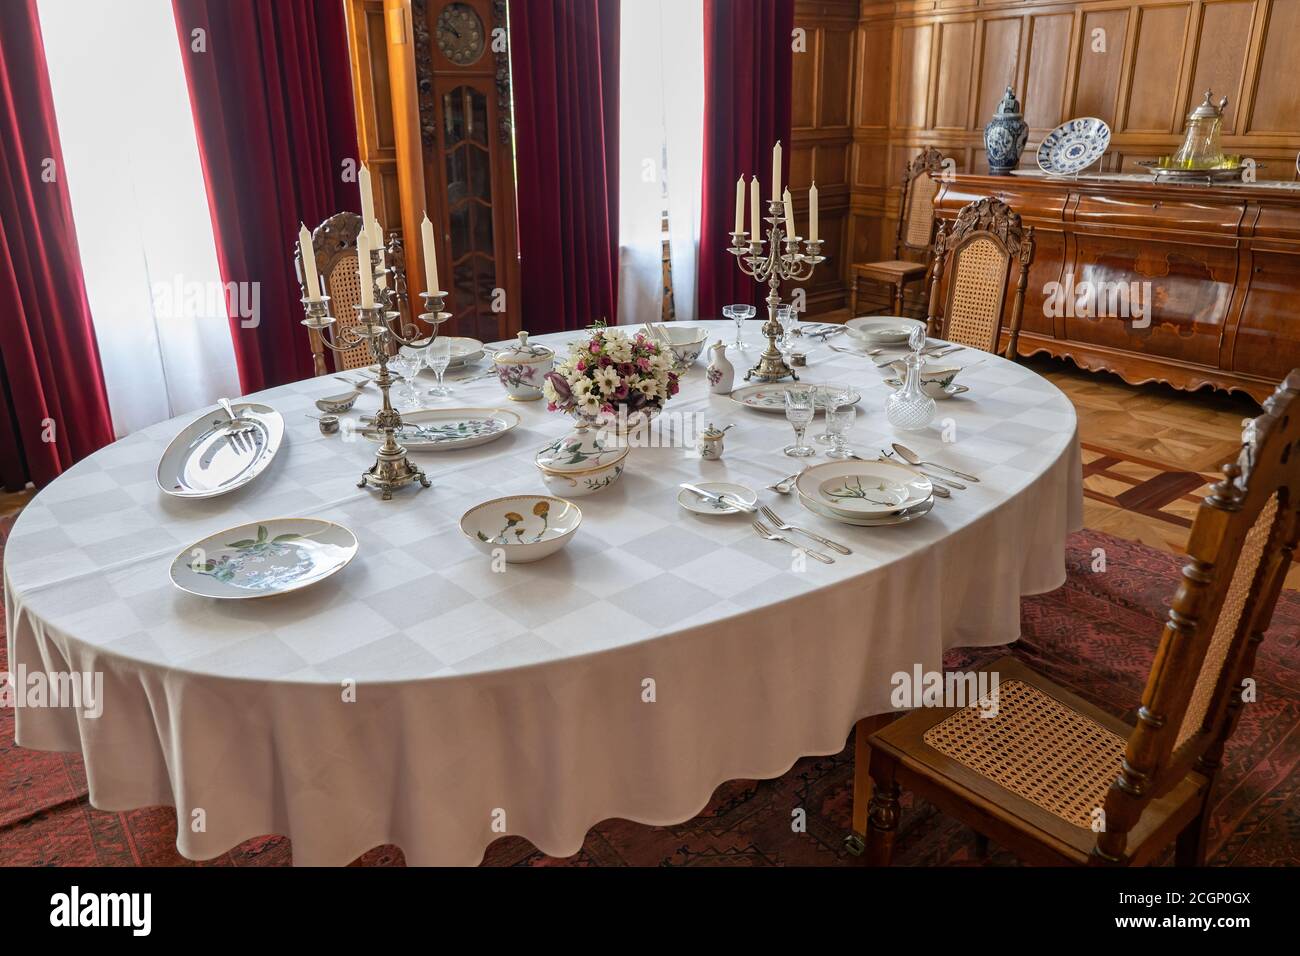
(551, 407)
(595, 347)
(607, 408)
(606, 361)
(643, 364)
(582, 366)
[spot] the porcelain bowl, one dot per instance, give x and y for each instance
(586, 468)
(524, 527)
(686, 341)
(874, 330)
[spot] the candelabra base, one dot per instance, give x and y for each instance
(390, 472)
(771, 368)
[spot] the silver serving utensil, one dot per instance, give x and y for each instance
(765, 532)
(950, 482)
(858, 352)
(238, 430)
(722, 499)
(781, 525)
(913, 458)
(783, 486)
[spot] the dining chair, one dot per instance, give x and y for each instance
(1055, 779)
(334, 243)
(977, 252)
(915, 233)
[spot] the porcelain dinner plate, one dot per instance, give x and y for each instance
(441, 429)
(771, 398)
(863, 489)
(207, 459)
(882, 329)
(263, 558)
(863, 521)
(1073, 146)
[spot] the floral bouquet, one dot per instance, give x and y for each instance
(610, 375)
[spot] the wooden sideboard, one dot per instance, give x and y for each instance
(1223, 265)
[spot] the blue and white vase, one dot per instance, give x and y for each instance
(1005, 135)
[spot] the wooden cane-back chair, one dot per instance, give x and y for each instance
(1055, 779)
(977, 252)
(334, 243)
(915, 233)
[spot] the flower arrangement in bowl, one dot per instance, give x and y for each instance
(611, 379)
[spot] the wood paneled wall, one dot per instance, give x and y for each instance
(913, 73)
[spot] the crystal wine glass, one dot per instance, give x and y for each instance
(838, 422)
(406, 363)
(831, 396)
(800, 406)
(739, 313)
(438, 356)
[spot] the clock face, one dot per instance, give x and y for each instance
(460, 34)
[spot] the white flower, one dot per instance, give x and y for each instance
(606, 379)
(581, 388)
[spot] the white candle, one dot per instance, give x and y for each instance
(789, 215)
(812, 213)
(430, 255)
(367, 197)
(310, 278)
(364, 270)
(776, 170)
(756, 223)
(740, 205)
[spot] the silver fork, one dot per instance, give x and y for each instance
(765, 532)
(781, 525)
(238, 430)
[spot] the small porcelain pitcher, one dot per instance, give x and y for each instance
(721, 373)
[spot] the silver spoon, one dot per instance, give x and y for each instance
(913, 458)
(783, 486)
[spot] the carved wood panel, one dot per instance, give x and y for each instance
(929, 72)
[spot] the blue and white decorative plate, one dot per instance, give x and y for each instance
(1073, 146)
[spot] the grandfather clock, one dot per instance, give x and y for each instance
(462, 79)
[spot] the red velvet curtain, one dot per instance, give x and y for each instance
(564, 66)
(748, 64)
(53, 405)
(270, 85)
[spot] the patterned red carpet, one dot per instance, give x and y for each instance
(1095, 635)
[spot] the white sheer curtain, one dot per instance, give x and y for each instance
(661, 131)
(140, 207)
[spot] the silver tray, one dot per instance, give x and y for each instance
(1224, 175)
(204, 460)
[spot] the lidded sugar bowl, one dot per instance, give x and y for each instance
(586, 460)
(522, 368)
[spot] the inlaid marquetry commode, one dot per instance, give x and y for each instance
(1222, 263)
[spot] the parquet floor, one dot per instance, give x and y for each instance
(1149, 453)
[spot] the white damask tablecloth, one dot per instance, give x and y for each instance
(516, 701)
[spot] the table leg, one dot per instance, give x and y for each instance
(862, 731)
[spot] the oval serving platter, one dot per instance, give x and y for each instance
(263, 558)
(442, 429)
(771, 397)
(205, 459)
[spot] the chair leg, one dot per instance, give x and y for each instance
(862, 731)
(898, 298)
(883, 812)
(1189, 849)
(853, 299)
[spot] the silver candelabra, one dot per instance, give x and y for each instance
(774, 267)
(380, 327)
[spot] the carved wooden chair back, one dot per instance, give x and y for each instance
(334, 243)
(977, 252)
(916, 204)
(1241, 547)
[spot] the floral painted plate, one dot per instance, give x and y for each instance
(863, 489)
(1073, 146)
(207, 459)
(442, 429)
(771, 398)
(263, 558)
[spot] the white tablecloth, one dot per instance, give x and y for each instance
(515, 702)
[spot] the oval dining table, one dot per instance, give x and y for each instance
(658, 655)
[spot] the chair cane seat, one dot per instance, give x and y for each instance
(1037, 748)
(891, 271)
